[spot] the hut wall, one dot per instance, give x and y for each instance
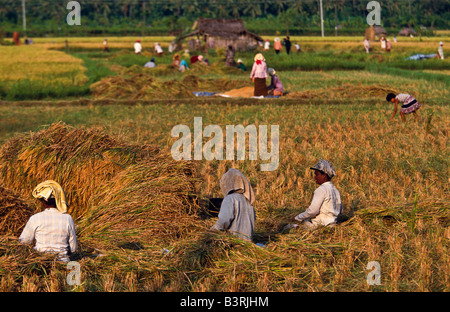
(242, 43)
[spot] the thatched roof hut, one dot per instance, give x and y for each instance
(220, 33)
(375, 33)
(407, 31)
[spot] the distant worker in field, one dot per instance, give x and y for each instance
(277, 45)
(287, 44)
(241, 65)
(229, 56)
(236, 214)
(137, 47)
(158, 49)
(16, 38)
(409, 105)
(176, 61)
(326, 204)
(150, 64)
(258, 75)
(105, 45)
(383, 43)
(53, 228)
(388, 45)
(267, 45)
(196, 58)
(183, 66)
(440, 54)
(276, 87)
(297, 47)
(366, 44)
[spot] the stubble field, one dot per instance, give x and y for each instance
(140, 218)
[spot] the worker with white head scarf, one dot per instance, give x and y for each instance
(53, 229)
(326, 204)
(237, 214)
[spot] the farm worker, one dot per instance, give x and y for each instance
(383, 43)
(267, 45)
(258, 75)
(297, 47)
(287, 44)
(158, 49)
(229, 56)
(53, 229)
(277, 45)
(176, 61)
(388, 45)
(236, 214)
(366, 44)
(440, 54)
(241, 65)
(105, 45)
(326, 204)
(409, 105)
(276, 87)
(183, 66)
(205, 61)
(150, 64)
(196, 58)
(16, 38)
(137, 47)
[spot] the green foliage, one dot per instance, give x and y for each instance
(268, 17)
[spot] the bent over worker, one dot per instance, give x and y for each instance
(326, 204)
(53, 229)
(236, 214)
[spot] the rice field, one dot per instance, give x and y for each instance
(141, 218)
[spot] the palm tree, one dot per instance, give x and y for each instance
(253, 9)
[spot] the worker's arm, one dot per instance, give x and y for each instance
(226, 214)
(252, 73)
(395, 109)
(314, 208)
(72, 236)
(27, 236)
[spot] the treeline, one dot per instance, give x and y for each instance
(158, 17)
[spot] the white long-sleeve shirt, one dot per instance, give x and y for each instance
(54, 232)
(236, 215)
(325, 206)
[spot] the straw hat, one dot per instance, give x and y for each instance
(259, 57)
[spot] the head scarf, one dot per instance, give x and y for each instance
(234, 180)
(325, 167)
(271, 71)
(51, 189)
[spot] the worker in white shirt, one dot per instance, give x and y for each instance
(326, 204)
(53, 229)
(440, 54)
(137, 47)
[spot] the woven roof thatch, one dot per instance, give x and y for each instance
(407, 31)
(225, 28)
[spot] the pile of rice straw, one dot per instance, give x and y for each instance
(112, 186)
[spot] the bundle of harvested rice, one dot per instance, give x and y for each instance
(14, 212)
(137, 83)
(346, 90)
(111, 186)
(241, 92)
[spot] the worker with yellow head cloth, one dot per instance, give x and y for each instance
(53, 228)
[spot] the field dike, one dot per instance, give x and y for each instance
(139, 228)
